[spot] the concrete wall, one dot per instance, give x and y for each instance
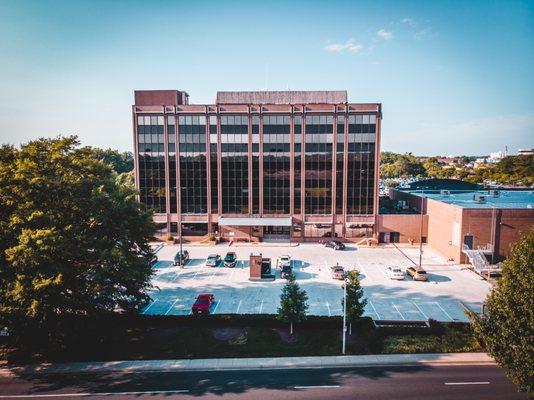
(445, 229)
(408, 225)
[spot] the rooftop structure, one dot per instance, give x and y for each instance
(501, 199)
(283, 97)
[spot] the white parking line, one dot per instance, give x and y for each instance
(445, 312)
(216, 305)
(421, 311)
(317, 387)
(374, 309)
(238, 307)
(172, 305)
(150, 305)
(367, 276)
(466, 383)
(95, 394)
(328, 306)
(213, 273)
(261, 306)
(232, 274)
(402, 316)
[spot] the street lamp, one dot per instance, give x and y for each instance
(180, 230)
(421, 229)
(344, 314)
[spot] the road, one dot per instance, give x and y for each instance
(420, 382)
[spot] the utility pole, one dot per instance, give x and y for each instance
(421, 230)
(344, 314)
(180, 231)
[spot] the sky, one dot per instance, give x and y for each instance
(453, 77)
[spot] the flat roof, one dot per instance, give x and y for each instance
(518, 199)
(283, 97)
(254, 221)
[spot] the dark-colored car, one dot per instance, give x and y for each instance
(286, 271)
(230, 260)
(203, 303)
(417, 274)
(335, 244)
(181, 258)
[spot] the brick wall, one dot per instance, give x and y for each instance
(408, 225)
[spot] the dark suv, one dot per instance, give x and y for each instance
(230, 260)
(181, 258)
(335, 244)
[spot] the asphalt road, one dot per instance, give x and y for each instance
(422, 382)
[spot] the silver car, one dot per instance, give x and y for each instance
(213, 260)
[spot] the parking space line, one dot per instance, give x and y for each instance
(402, 316)
(328, 307)
(232, 274)
(216, 305)
(374, 309)
(172, 305)
(238, 307)
(421, 311)
(150, 305)
(213, 273)
(261, 306)
(445, 312)
(367, 276)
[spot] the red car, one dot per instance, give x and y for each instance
(203, 303)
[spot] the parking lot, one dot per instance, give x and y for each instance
(441, 298)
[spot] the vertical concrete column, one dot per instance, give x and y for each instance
(345, 168)
(334, 171)
(377, 168)
(208, 167)
(249, 160)
(303, 170)
(291, 165)
(178, 182)
(260, 158)
(219, 164)
(136, 153)
(167, 174)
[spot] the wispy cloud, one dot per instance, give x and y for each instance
(385, 34)
(348, 46)
(409, 21)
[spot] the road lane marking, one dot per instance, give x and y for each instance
(150, 305)
(216, 305)
(445, 312)
(33, 396)
(421, 311)
(261, 306)
(238, 307)
(367, 276)
(374, 309)
(467, 383)
(317, 387)
(172, 305)
(328, 306)
(402, 316)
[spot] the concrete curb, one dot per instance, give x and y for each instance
(147, 366)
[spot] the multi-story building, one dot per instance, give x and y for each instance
(254, 165)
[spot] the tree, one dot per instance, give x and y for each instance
(507, 325)
(355, 301)
(72, 240)
(293, 303)
(120, 162)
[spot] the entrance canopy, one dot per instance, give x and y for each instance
(254, 221)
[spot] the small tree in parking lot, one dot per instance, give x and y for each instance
(293, 303)
(355, 301)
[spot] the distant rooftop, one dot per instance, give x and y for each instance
(523, 199)
(283, 97)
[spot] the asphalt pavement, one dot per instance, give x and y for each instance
(484, 382)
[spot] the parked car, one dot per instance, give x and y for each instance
(338, 272)
(418, 274)
(329, 234)
(335, 244)
(181, 258)
(230, 260)
(394, 273)
(213, 260)
(286, 271)
(203, 303)
(283, 261)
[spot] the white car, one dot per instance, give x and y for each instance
(283, 261)
(395, 273)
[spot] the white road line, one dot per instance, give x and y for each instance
(196, 273)
(467, 383)
(317, 387)
(402, 316)
(148, 308)
(374, 309)
(34, 396)
(216, 305)
(238, 307)
(213, 274)
(445, 312)
(261, 306)
(421, 311)
(328, 306)
(172, 305)
(232, 274)
(367, 276)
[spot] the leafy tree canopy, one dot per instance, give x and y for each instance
(507, 326)
(293, 303)
(355, 301)
(72, 240)
(120, 162)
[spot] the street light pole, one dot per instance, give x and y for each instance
(344, 314)
(180, 232)
(421, 231)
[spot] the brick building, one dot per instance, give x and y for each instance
(258, 165)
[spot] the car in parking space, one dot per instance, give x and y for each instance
(417, 274)
(203, 303)
(181, 258)
(283, 261)
(213, 260)
(230, 260)
(335, 244)
(338, 272)
(395, 273)
(286, 271)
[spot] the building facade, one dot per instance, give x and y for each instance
(258, 165)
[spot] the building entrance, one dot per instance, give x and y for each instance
(276, 232)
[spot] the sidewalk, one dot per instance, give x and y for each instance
(378, 360)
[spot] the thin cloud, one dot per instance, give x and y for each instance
(385, 34)
(348, 46)
(409, 21)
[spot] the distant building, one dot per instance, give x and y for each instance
(258, 165)
(525, 152)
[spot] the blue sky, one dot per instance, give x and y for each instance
(454, 77)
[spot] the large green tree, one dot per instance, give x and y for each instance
(507, 325)
(72, 240)
(120, 162)
(355, 301)
(293, 303)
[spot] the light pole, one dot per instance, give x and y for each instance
(421, 229)
(344, 314)
(180, 230)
